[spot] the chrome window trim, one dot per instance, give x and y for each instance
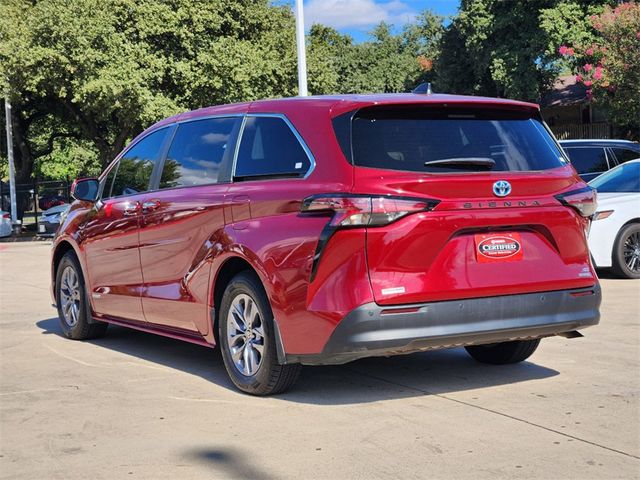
(176, 126)
(209, 117)
(283, 117)
(115, 163)
(237, 148)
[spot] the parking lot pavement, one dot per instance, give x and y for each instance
(136, 405)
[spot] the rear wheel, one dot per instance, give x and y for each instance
(626, 252)
(74, 310)
(247, 339)
(503, 353)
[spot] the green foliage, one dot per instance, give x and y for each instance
(607, 61)
(85, 76)
(506, 48)
(102, 70)
(69, 159)
(567, 22)
(388, 62)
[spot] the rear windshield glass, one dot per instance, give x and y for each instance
(438, 140)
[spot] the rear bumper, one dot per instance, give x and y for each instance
(372, 330)
(46, 229)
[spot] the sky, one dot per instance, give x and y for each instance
(357, 17)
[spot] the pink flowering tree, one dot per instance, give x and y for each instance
(609, 67)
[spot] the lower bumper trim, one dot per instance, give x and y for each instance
(366, 332)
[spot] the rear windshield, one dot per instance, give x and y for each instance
(439, 140)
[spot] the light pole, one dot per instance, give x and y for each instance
(302, 53)
(12, 168)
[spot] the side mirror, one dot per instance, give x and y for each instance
(85, 189)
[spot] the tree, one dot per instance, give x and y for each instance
(102, 70)
(606, 60)
(388, 62)
(329, 55)
(501, 48)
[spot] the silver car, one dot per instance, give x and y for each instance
(51, 219)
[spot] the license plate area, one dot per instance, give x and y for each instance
(498, 247)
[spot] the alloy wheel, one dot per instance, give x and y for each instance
(70, 296)
(631, 252)
(245, 335)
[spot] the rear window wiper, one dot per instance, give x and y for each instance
(462, 162)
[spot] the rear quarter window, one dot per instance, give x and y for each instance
(623, 155)
(270, 148)
(588, 159)
(439, 140)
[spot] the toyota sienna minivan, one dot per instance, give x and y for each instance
(321, 230)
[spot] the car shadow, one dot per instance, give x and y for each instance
(607, 274)
(367, 380)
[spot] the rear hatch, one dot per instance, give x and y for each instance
(506, 213)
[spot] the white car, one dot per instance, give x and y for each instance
(5, 224)
(614, 238)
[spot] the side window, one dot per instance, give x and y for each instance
(136, 165)
(107, 183)
(588, 159)
(269, 148)
(624, 155)
(196, 153)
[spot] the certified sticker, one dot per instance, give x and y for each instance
(498, 247)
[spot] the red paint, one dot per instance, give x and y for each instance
(156, 270)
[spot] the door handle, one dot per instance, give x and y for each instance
(131, 209)
(150, 206)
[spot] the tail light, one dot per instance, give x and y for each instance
(357, 211)
(583, 200)
(6, 215)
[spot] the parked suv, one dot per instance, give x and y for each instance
(592, 158)
(320, 230)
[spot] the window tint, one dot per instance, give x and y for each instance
(270, 148)
(622, 179)
(196, 153)
(136, 165)
(624, 154)
(107, 182)
(451, 139)
(588, 159)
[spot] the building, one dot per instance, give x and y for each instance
(570, 114)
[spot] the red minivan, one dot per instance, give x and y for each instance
(320, 230)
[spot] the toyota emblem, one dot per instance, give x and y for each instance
(501, 188)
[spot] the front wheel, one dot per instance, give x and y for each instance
(626, 252)
(74, 311)
(247, 339)
(503, 353)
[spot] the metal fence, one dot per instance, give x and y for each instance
(578, 131)
(35, 197)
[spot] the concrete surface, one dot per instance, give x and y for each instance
(136, 405)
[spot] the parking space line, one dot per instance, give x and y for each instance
(71, 358)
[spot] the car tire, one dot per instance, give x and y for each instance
(248, 341)
(74, 311)
(503, 353)
(627, 243)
